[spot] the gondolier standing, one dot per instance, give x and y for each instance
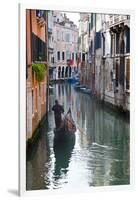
(58, 110)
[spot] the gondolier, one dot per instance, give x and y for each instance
(66, 129)
(58, 110)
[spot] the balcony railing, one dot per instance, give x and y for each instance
(115, 20)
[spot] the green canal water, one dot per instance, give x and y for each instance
(99, 155)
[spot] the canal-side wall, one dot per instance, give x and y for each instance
(111, 60)
(40, 105)
(36, 134)
(118, 97)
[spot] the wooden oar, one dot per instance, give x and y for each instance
(80, 130)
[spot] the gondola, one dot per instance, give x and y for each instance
(67, 129)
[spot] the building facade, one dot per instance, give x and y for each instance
(105, 57)
(36, 53)
(65, 46)
(52, 68)
(116, 59)
(83, 47)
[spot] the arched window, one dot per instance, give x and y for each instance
(122, 62)
(117, 43)
(127, 34)
(122, 46)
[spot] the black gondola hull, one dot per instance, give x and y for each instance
(64, 135)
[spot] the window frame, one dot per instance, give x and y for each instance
(58, 55)
(126, 59)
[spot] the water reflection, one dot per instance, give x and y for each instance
(99, 156)
(63, 152)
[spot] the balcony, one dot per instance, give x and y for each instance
(115, 20)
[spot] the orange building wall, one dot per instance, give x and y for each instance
(36, 28)
(28, 38)
(36, 104)
(29, 78)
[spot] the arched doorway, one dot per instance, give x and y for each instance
(66, 72)
(69, 71)
(63, 72)
(59, 72)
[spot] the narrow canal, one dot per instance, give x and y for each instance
(99, 156)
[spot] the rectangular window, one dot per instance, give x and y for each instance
(52, 59)
(128, 41)
(98, 40)
(63, 56)
(117, 72)
(103, 46)
(83, 56)
(72, 56)
(58, 55)
(117, 43)
(89, 29)
(128, 74)
(112, 44)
